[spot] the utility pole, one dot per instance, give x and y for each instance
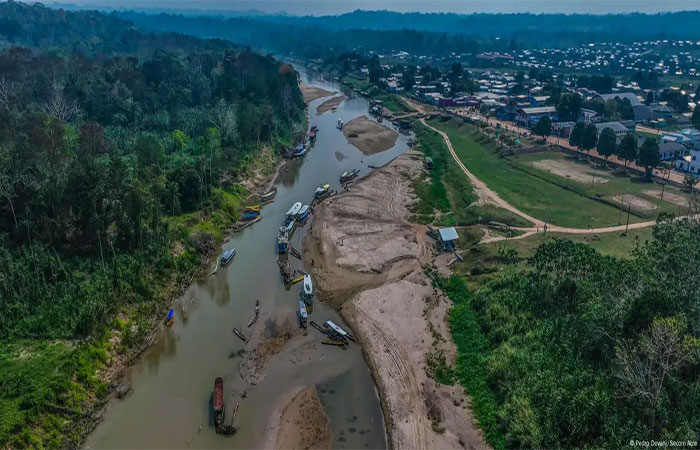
(622, 204)
(663, 187)
(629, 206)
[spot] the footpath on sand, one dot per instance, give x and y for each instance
(488, 196)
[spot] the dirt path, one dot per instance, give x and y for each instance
(490, 197)
(367, 259)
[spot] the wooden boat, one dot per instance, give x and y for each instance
(322, 191)
(339, 330)
(250, 215)
(269, 195)
(308, 288)
(297, 279)
(304, 213)
(171, 317)
(252, 208)
(238, 333)
(283, 240)
(227, 256)
(218, 401)
(303, 315)
(256, 315)
(329, 341)
(347, 176)
(300, 151)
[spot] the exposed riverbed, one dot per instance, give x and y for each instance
(172, 382)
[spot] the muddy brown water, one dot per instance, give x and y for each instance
(172, 382)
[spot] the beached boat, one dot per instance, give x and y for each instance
(269, 195)
(283, 240)
(303, 315)
(339, 330)
(218, 401)
(340, 124)
(227, 256)
(347, 176)
(307, 290)
(294, 210)
(256, 315)
(312, 136)
(252, 208)
(300, 151)
(304, 213)
(238, 333)
(250, 215)
(329, 341)
(322, 191)
(297, 279)
(171, 317)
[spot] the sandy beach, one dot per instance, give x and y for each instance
(311, 93)
(331, 103)
(368, 136)
(300, 423)
(367, 259)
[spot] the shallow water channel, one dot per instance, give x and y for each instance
(172, 382)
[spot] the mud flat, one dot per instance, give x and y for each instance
(368, 136)
(311, 93)
(368, 261)
(301, 424)
(331, 103)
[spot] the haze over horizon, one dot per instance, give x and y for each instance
(330, 7)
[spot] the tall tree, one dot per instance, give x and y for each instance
(543, 127)
(569, 106)
(607, 143)
(589, 137)
(649, 156)
(627, 150)
(576, 135)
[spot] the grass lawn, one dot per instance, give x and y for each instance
(394, 103)
(538, 192)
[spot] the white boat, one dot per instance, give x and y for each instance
(283, 240)
(294, 210)
(340, 124)
(308, 289)
(304, 212)
(322, 191)
(337, 329)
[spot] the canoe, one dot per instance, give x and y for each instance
(252, 208)
(218, 400)
(294, 210)
(256, 315)
(227, 256)
(297, 279)
(308, 288)
(329, 341)
(238, 333)
(250, 215)
(171, 317)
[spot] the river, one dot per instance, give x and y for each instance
(172, 382)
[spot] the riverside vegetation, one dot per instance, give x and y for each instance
(570, 347)
(120, 153)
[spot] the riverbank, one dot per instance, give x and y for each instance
(311, 93)
(367, 260)
(300, 423)
(331, 103)
(368, 136)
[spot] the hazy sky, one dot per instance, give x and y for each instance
(321, 7)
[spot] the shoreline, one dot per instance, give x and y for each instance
(369, 263)
(292, 412)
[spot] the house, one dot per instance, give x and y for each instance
(528, 117)
(672, 150)
(690, 163)
(588, 116)
(562, 129)
(642, 113)
(507, 113)
(619, 129)
(631, 96)
(448, 239)
(537, 100)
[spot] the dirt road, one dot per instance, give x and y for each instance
(366, 258)
(488, 196)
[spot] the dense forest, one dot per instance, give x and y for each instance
(107, 136)
(584, 350)
(419, 33)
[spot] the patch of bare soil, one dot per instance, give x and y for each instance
(638, 203)
(368, 136)
(672, 197)
(275, 336)
(302, 424)
(570, 170)
(311, 93)
(331, 103)
(367, 257)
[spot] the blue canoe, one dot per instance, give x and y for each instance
(250, 215)
(171, 317)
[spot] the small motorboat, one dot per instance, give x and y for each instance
(283, 240)
(340, 124)
(300, 151)
(307, 290)
(218, 401)
(250, 215)
(238, 333)
(256, 315)
(304, 213)
(171, 317)
(336, 329)
(322, 191)
(269, 195)
(227, 256)
(294, 210)
(303, 315)
(347, 176)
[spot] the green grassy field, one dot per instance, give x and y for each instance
(552, 196)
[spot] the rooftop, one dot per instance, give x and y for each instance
(448, 234)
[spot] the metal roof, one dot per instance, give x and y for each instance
(448, 234)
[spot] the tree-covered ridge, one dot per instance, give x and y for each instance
(584, 350)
